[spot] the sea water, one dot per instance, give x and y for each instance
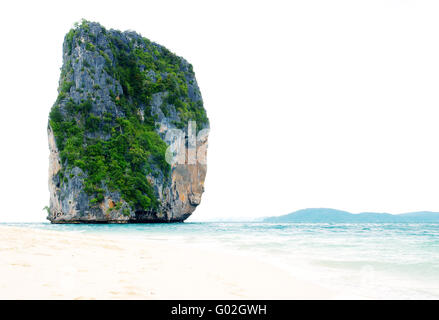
(360, 260)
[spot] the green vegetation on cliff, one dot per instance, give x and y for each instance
(121, 162)
(118, 148)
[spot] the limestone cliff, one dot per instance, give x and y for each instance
(127, 133)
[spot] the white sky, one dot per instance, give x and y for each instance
(312, 103)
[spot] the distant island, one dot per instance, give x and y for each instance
(326, 215)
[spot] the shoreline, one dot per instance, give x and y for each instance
(45, 264)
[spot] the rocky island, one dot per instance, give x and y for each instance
(127, 132)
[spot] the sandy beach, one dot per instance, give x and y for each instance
(41, 264)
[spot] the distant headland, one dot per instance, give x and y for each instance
(327, 215)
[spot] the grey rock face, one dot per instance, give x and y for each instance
(88, 61)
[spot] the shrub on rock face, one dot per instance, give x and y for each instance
(118, 95)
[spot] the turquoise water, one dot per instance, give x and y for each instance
(382, 261)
